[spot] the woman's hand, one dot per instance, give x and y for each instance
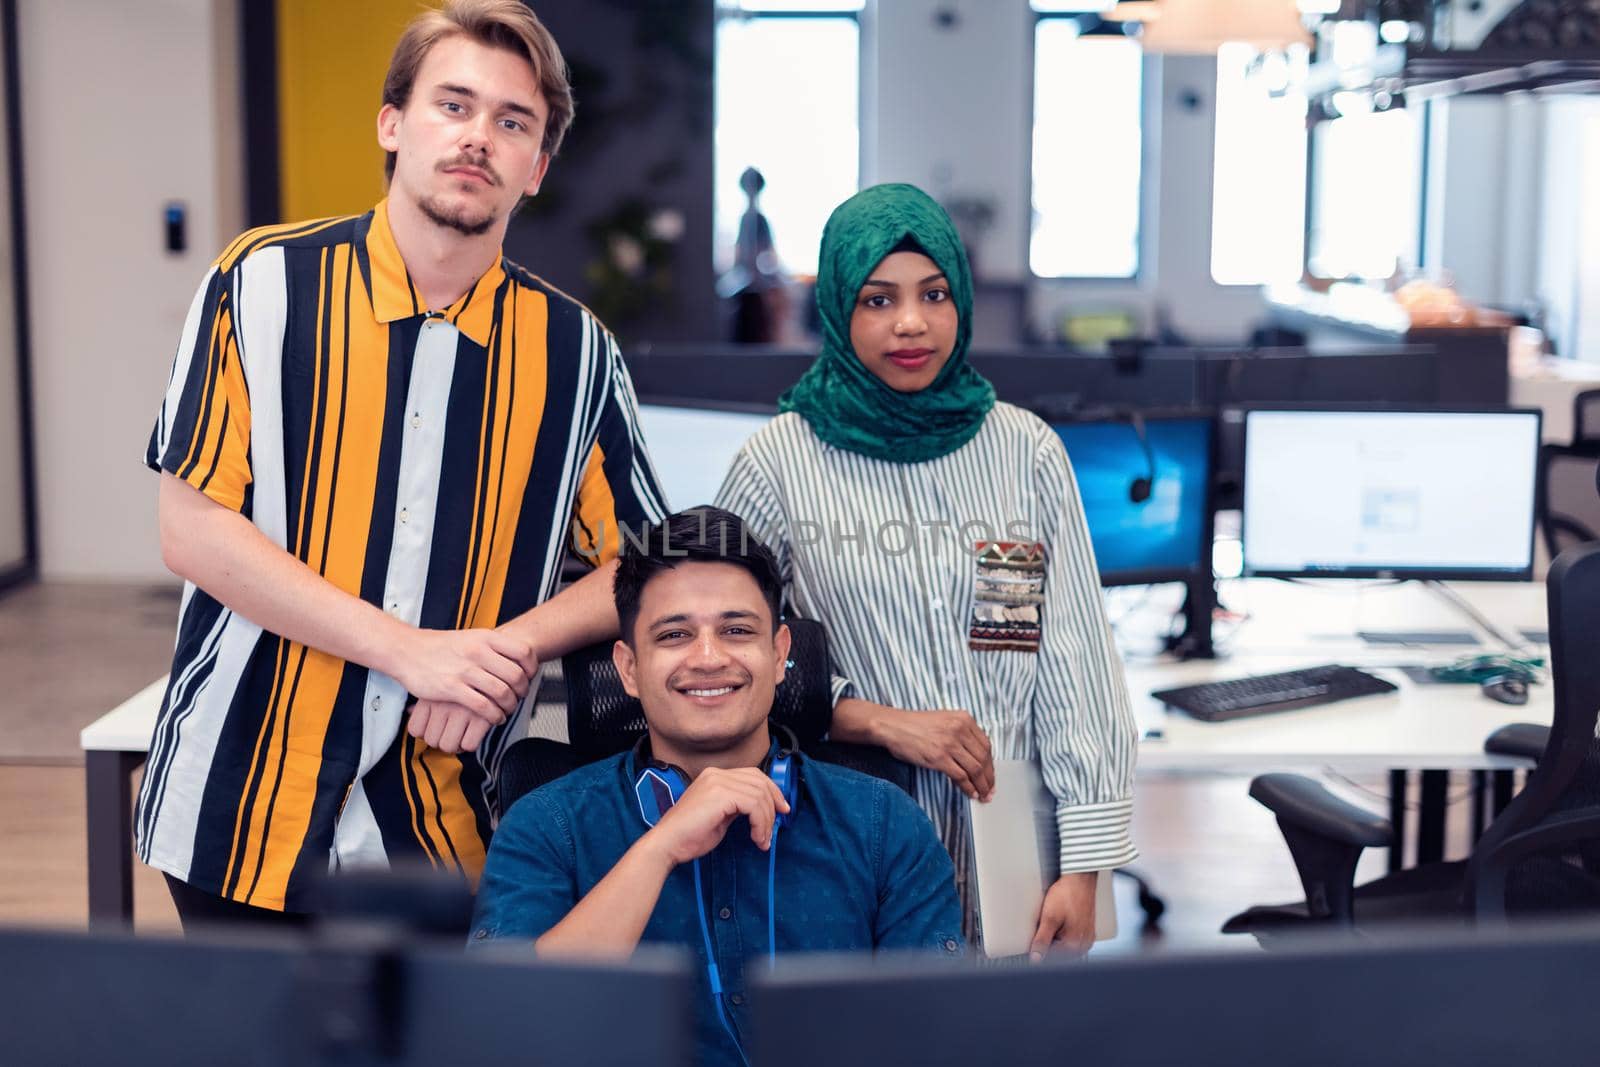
(946, 740)
(1066, 919)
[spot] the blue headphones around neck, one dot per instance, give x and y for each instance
(658, 786)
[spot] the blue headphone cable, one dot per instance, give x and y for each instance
(772, 907)
(711, 966)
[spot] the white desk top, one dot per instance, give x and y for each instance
(1289, 625)
(1293, 625)
(128, 726)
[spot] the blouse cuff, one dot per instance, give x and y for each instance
(1095, 837)
(842, 687)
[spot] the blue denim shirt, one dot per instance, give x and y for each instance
(858, 868)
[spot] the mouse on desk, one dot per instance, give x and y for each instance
(1508, 688)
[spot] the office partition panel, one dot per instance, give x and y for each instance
(16, 553)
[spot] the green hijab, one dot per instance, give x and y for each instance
(846, 405)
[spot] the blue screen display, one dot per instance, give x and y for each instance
(1165, 533)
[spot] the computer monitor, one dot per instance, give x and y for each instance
(1448, 995)
(1390, 494)
(692, 443)
(355, 996)
(1145, 482)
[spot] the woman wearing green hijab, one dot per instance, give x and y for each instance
(939, 537)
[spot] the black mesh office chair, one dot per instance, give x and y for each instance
(603, 720)
(1569, 507)
(1540, 855)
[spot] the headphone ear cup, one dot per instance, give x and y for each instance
(782, 773)
(1139, 491)
(657, 788)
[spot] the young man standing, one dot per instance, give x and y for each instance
(377, 437)
(710, 834)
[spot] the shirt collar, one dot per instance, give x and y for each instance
(394, 296)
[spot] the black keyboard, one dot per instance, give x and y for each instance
(1220, 701)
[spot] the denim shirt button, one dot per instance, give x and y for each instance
(725, 913)
(950, 944)
(480, 934)
(737, 998)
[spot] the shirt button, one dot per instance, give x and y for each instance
(949, 944)
(725, 913)
(936, 604)
(416, 419)
(737, 998)
(404, 516)
(377, 702)
(480, 935)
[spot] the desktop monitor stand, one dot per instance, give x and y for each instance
(1199, 603)
(1513, 641)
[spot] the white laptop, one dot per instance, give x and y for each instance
(1016, 856)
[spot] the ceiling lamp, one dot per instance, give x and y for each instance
(1203, 26)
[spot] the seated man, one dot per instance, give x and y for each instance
(711, 820)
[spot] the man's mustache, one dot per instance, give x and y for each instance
(481, 163)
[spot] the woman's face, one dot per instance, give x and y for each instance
(903, 327)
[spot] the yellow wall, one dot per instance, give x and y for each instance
(332, 55)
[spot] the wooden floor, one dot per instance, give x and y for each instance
(71, 650)
(44, 880)
(1207, 849)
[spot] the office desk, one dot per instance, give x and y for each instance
(1419, 727)
(114, 746)
(1299, 624)
(1429, 728)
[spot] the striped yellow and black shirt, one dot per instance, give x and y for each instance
(438, 464)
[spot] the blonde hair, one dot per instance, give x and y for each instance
(508, 24)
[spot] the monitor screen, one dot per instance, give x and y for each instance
(1423, 494)
(1165, 536)
(692, 447)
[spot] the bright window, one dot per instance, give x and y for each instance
(1364, 219)
(1087, 152)
(788, 104)
(1258, 200)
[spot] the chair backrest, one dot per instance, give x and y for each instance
(603, 720)
(1545, 846)
(1586, 417)
(1569, 506)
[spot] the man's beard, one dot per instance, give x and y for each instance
(456, 218)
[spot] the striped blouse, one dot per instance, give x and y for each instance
(436, 464)
(886, 556)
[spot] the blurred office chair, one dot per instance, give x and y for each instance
(603, 720)
(1586, 417)
(1540, 855)
(1569, 507)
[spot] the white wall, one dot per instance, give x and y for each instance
(950, 109)
(1511, 209)
(120, 115)
(1567, 195)
(1466, 200)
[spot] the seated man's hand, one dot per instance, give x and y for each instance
(697, 822)
(1066, 921)
(486, 672)
(447, 727)
(947, 741)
